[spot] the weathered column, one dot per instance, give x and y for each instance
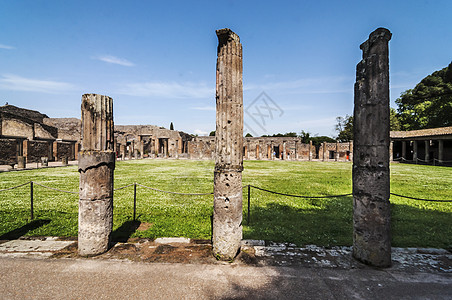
(227, 211)
(440, 150)
(404, 149)
(96, 166)
(122, 150)
(415, 151)
(323, 150)
(310, 150)
(391, 151)
(336, 155)
(257, 152)
(21, 162)
(284, 156)
(427, 150)
(296, 151)
(350, 147)
(371, 210)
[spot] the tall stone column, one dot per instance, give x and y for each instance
(415, 151)
(227, 210)
(371, 208)
(350, 147)
(391, 151)
(96, 166)
(310, 150)
(427, 150)
(440, 150)
(404, 149)
(336, 155)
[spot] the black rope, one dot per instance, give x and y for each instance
(15, 187)
(176, 193)
(299, 196)
(420, 199)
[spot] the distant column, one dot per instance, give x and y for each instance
(415, 151)
(257, 152)
(350, 148)
(310, 150)
(427, 150)
(96, 166)
(404, 149)
(284, 154)
(323, 150)
(371, 208)
(391, 151)
(296, 151)
(336, 155)
(227, 211)
(440, 150)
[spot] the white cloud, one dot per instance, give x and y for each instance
(208, 108)
(168, 90)
(18, 83)
(115, 60)
(200, 132)
(2, 46)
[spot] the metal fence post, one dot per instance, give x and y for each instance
(31, 200)
(134, 200)
(249, 196)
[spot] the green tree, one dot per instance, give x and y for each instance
(248, 135)
(429, 103)
(212, 133)
(305, 137)
(171, 126)
(344, 127)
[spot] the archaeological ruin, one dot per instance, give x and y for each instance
(371, 207)
(227, 208)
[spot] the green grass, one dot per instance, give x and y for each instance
(324, 222)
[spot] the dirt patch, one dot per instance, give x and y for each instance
(144, 226)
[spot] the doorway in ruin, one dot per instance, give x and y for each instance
(276, 151)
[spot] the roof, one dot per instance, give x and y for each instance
(431, 132)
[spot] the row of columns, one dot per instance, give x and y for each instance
(426, 150)
(371, 214)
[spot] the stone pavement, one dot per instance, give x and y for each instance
(49, 268)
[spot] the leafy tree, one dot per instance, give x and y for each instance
(212, 133)
(171, 126)
(248, 135)
(429, 103)
(344, 127)
(305, 137)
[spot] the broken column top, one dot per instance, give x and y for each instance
(97, 132)
(379, 34)
(226, 35)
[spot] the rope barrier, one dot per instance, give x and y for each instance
(123, 187)
(299, 196)
(176, 193)
(51, 188)
(15, 187)
(420, 199)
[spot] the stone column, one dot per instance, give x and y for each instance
(96, 166)
(440, 150)
(227, 210)
(415, 151)
(371, 209)
(284, 156)
(336, 155)
(257, 152)
(427, 150)
(350, 147)
(310, 150)
(323, 150)
(122, 150)
(404, 149)
(391, 151)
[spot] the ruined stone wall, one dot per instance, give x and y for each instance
(34, 150)
(8, 151)
(201, 147)
(17, 127)
(67, 128)
(63, 149)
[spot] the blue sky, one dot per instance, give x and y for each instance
(156, 59)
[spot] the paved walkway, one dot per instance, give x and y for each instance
(30, 269)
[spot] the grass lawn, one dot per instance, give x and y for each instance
(324, 222)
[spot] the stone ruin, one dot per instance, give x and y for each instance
(96, 167)
(371, 207)
(227, 208)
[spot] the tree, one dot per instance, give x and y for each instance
(171, 126)
(248, 135)
(429, 103)
(344, 127)
(305, 137)
(212, 133)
